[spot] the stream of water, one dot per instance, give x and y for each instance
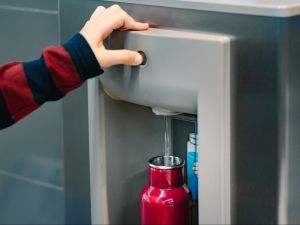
(168, 134)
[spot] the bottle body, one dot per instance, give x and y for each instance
(166, 199)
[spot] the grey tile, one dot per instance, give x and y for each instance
(27, 34)
(26, 203)
(39, 4)
(33, 147)
(31, 152)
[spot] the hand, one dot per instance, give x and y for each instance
(101, 24)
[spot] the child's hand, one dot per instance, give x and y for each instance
(101, 25)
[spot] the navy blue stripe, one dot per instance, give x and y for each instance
(40, 82)
(83, 57)
(5, 119)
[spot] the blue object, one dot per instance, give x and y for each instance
(192, 170)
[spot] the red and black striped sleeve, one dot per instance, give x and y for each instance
(26, 86)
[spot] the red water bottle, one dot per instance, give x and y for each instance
(166, 199)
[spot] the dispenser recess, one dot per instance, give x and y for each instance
(186, 72)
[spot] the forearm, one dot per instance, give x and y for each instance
(26, 86)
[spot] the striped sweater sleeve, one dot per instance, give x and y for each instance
(26, 86)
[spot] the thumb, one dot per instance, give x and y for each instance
(115, 57)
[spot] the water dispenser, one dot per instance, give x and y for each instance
(186, 72)
(230, 66)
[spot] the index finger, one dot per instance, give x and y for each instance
(130, 23)
(120, 20)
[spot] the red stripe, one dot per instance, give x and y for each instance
(62, 69)
(16, 92)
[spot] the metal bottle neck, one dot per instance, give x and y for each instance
(166, 171)
(165, 178)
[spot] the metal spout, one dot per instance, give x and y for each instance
(164, 112)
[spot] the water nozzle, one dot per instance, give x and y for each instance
(164, 112)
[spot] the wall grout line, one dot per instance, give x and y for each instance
(32, 181)
(27, 9)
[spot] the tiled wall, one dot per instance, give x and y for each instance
(31, 155)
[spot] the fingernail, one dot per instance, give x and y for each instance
(138, 59)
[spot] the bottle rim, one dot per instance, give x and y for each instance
(166, 162)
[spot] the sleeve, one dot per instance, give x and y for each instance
(26, 86)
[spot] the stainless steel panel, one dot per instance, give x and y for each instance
(265, 103)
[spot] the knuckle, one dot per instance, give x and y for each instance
(100, 8)
(116, 6)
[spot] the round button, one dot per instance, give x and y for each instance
(144, 57)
